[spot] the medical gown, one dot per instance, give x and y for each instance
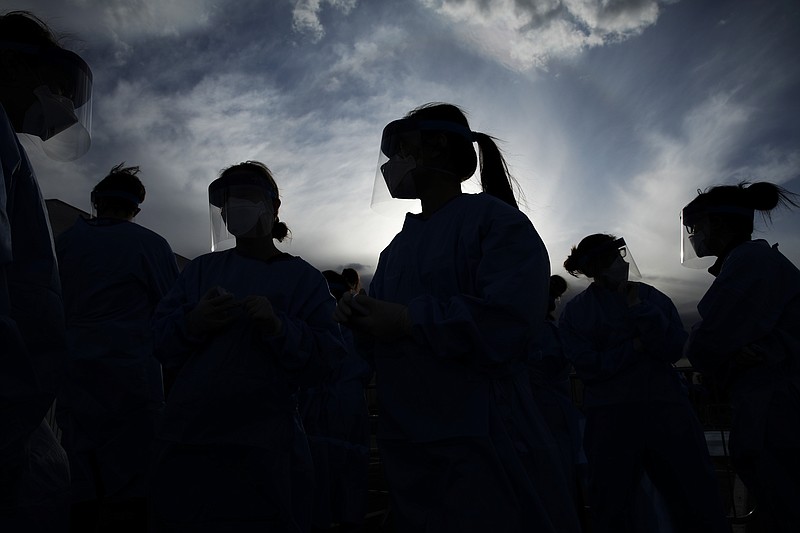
(754, 305)
(114, 273)
(234, 454)
(34, 473)
(464, 446)
(638, 416)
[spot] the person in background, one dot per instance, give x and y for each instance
(622, 338)
(113, 273)
(243, 329)
(353, 280)
(336, 419)
(748, 340)
(45, 91)
(453, 312)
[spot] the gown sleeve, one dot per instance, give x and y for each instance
(499, 319)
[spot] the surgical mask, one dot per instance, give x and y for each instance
(49, 115)
(399, 176)
(241, 216)
(699, 244)
(617, 272)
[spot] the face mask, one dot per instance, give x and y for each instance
(399, 176)
(698, 242)
(49, 115)
(241, 216)
(617, 272)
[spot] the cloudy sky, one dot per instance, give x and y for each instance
(612, 113)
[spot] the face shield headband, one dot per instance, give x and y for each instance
(618, 245)
(123, 195)
(240, 203)
(394, 174)
(695, 232)
(60, 115)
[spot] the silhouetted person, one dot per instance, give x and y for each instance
(113, 273)
(623, 337)
(244, 328)
(454, 309)
(749, 340)
(336, 418)
(43, 91)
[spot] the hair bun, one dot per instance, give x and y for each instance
(763, 196)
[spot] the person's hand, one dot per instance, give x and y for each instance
(630, 289)
(213, 312)
(260, 310)
(381, 319)
(347, 307)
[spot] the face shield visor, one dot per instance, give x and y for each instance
(696, 233)
(59, 115)
(394, 188)
(241, 204)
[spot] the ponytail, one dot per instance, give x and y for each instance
(279, 230)
(764, 197)
(734, 206)
(495, 177)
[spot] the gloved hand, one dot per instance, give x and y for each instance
(260, 310)
(348, 307)
(381, 319)
(215, 310)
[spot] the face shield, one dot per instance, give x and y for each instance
(241, 204)
(59, 115)
(627, 256)
(696, 233)
(394, 188)
(631, 271)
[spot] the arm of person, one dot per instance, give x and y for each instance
(500, 317)
(183, 320)
(736, 311)
(593, 362)
(307, 344)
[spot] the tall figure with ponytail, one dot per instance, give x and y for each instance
(749, 340)
(450, 321)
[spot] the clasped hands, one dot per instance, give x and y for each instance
(381, 319)
(218, 308)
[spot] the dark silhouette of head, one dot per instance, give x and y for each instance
(352, 278)
(592, 255)
(728, 210)
(259, 170)
(458, 155)
(119, 194)
(30, 57)
(337, 283)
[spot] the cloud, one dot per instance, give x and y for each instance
(305, 16)
(696, 157)
(123, 23)
(523, 34)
